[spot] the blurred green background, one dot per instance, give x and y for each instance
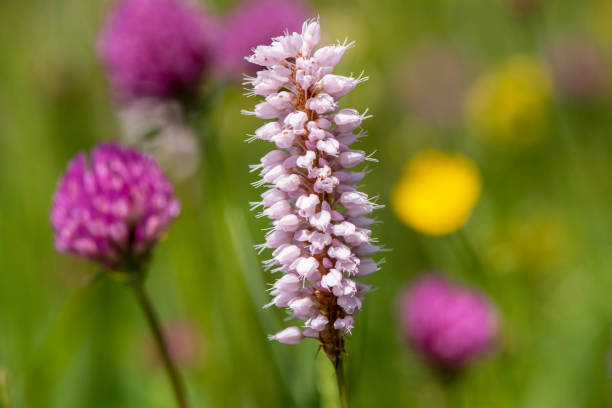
(542, 230)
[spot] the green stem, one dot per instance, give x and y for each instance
(445, 381)
(470, 251)
(153, 321)
(4, 395)
(339, 366)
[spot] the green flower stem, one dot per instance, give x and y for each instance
(4, 395)
(339, 366)
(153, 321)
(469, 249)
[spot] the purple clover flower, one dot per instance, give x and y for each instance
(113, 206)
(252, 23)
(449, 324)
(156, 48)
(578, 68)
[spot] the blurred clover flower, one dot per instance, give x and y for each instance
(450, 325)
(320, 234)
(113, 206)
(578, 68)
(436, 192)
(156, 48)
(159, 128)
(252, 23)
(511, 104)
(433, 82)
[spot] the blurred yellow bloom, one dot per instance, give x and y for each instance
(536, 240)
(512, 103)
(437, 192)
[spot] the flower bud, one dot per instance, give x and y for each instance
(291, 335)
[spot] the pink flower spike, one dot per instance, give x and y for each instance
(320, 226)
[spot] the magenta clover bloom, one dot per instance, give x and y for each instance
(113, 206)
(156, 48)
(448, 324)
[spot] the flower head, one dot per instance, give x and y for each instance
(320, 236)
(511, 104)
(113, 206)
(437, 192)
(254, 22)
(578, 68)
(155, 48)
(449, 324)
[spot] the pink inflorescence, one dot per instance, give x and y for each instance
(320, 234)
(579, 68)
(156, 48)
(253, 23)
(113, 206)
(449, 324)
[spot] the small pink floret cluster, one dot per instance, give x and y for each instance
(320, 237)
(449, 324)
(112, 206)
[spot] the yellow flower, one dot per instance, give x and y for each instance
(512, 103)
(437, 192)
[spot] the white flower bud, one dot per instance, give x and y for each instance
(287, 254)
(311, 34)
(317, 323)
(288, 223)
(351, 158)
(322, 104)
(280, 101)
(331, 278)
(330, 55)
(367, 267)
(320, 220)
(307, 204)
(278, 210)
(296, 120)
(265, 110)
(267, 131)
(291, 335)
(289, 182)
(337, 85)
